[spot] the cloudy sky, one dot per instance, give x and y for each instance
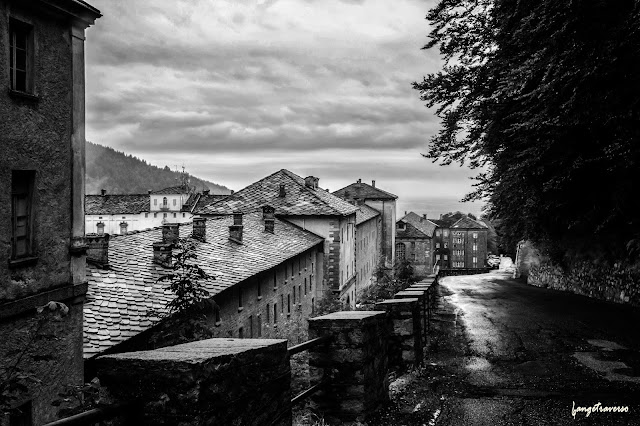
(237, 89)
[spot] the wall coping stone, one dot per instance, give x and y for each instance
(398, 301)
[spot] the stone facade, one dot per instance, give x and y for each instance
(41, 196)
(215, 381)
(355, 360)
(367, 251)
(405, 339)
(463, 245)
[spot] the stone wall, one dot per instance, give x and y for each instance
(405, 339)
(616, 283)
(355, 361)
(215, 381)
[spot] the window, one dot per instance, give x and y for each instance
(475, 247)
(282, 303)
(437, 257)
(22, 211)
(313, 306)
(446, 244)
(259, 324)
(241, 333)
(22, 416)
(164, 201)
(164, 215)
(21, 56)
(446, 232)
(240, 298)
(289, 302)
(250, 322)
(400, 251)
(123, 228)
(437, 245)
(268, 312)
(155, 201)
(155, 215)
(294, 295)
(100, 228)
(475, 260)
(183, 215)
(475, 235)
(174, 201)
(305, 286)
(401, 226)
(146, 215)
(300, 294)
(275, 313)
(174, 215)
(446, 257)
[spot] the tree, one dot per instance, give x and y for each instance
(544, 97)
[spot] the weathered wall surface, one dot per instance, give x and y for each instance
(616, 283)
(367, 251)
(388, 235)
(54, 357)
(35, 135)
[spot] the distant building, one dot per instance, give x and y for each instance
(368, 231)
(266, 272)
(361, 193)
(42, 176)
(461, 245)
(415, 242)
(123, 213)
(303, 203)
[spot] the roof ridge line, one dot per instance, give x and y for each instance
(302, 185)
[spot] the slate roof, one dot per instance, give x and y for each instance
(119, 298)
(180, 189)
(365, 213)
(205, 200)
(467, 222)
(299, 200)
(116, 204)
(410, 231)
(363, 191)
(426, 226)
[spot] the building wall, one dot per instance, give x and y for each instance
(339, 248)
(387, 209)
(442, 251)
(174, 202)
(419, 253)
(469, 237)
(44, 132)
(367, 251)
(135, 222)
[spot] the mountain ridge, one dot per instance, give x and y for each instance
(121, 173)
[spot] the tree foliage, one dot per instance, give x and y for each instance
(544, 96)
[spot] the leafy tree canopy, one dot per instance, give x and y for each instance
(544, 97)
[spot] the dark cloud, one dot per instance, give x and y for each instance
(232, 86)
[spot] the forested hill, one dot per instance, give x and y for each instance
(120, 173)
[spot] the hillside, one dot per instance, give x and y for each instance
(120, 173)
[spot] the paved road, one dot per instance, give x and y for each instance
(511, 354)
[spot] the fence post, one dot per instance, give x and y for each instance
(214, 381)
(355, 362)
(405, 342)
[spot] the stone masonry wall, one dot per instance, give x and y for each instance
(356, 360)
(215, 381)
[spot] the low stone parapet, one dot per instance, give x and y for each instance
(423, 297)
(354, 363)
(214, 381)
(405, 341)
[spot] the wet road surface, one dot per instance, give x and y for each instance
(505, 353)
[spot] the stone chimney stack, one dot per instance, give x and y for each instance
(359, 180)
(373, 183)
(149, 192)
(424, 215)
(268, 214)
(232, 191)
(235, 230)
(311, 182)
(162, 253)
(205, 192)
(170, 233)
(98, 249)
(283, 191)
(103, 192)
(200, 229)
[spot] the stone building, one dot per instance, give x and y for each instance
(122, 213)
(461, 245)
(266, 276)
(415, 242)
(42, 174)
(303, 203)
(362, 193)
(368, 229)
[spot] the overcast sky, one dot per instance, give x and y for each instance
(237, 89)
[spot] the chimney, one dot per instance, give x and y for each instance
(162, 253)
(149, 191)
(311, 182)
(440, 216)
(235, 230)
(98, 249)
(405, 212)
(100, 227)
(424, 215)
(170, 233)
(373, 183)
(268, 214)
(282, 192)
(232, 191)
(205, 192)
(359, 180)
(103, 192)
(200, 229)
